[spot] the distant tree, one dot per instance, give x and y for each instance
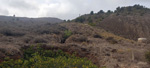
(90, 20)
(101, 12)
(92, 12)
(109, 11)
(137, 6)
(64, 20)
(14, 15)
(118, 8)
(122, 9)
(129, 8)
(80, 19)
(68, 20)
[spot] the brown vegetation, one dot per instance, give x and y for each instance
(105, 44)
(130, 22)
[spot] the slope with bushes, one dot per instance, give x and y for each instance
(41, 58)
(129, 22)
(100, 38)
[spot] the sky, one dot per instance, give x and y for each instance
(63, 9)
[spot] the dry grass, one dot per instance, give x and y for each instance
(106, 34)
(77, 38)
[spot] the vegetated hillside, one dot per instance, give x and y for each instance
(29, 43)
(24, 21)
(101, 47)
(130, 22)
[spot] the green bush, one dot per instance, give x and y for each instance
(67, 33)
(92, 24)
(80, 19)
(37, 57)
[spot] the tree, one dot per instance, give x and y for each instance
(14, 15)
(101, 12)
(64, 20)
(118, 9)
(109, 11)
(92, 12)
(68, 20)
(80, 19)
(137, 6)
(90, 20)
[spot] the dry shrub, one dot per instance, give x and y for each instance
(1, 35)
(80, 39)
(2, 50)
(97, 36)
(105, 34)
(147, 56)
(77, 38)
(10, 50)
(48, 31)
(111, 40)
(8, 32)
(27, 39)
(43, 31)
(39, 40)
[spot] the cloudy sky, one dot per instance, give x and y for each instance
(63, 9)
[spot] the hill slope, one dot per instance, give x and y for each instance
(23, 21)
(99, 44)
(101, 47)
(130, 22)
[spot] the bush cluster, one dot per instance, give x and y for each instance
(92, 24)
(41, 58)
(40, 40)
(8, 32)
(111, 40)
(80, 19)
(67, 33)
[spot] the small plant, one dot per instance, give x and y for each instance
(97, 36)
(111, 40)
(92, 24)
(67, 33)
(80, 39)
(40, 40)
(147, 56)
(27, 39)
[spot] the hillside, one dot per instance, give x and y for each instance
(101, 47)
(23, 21)
(129, 22)
(103, 40)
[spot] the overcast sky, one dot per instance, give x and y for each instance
(63, 9)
